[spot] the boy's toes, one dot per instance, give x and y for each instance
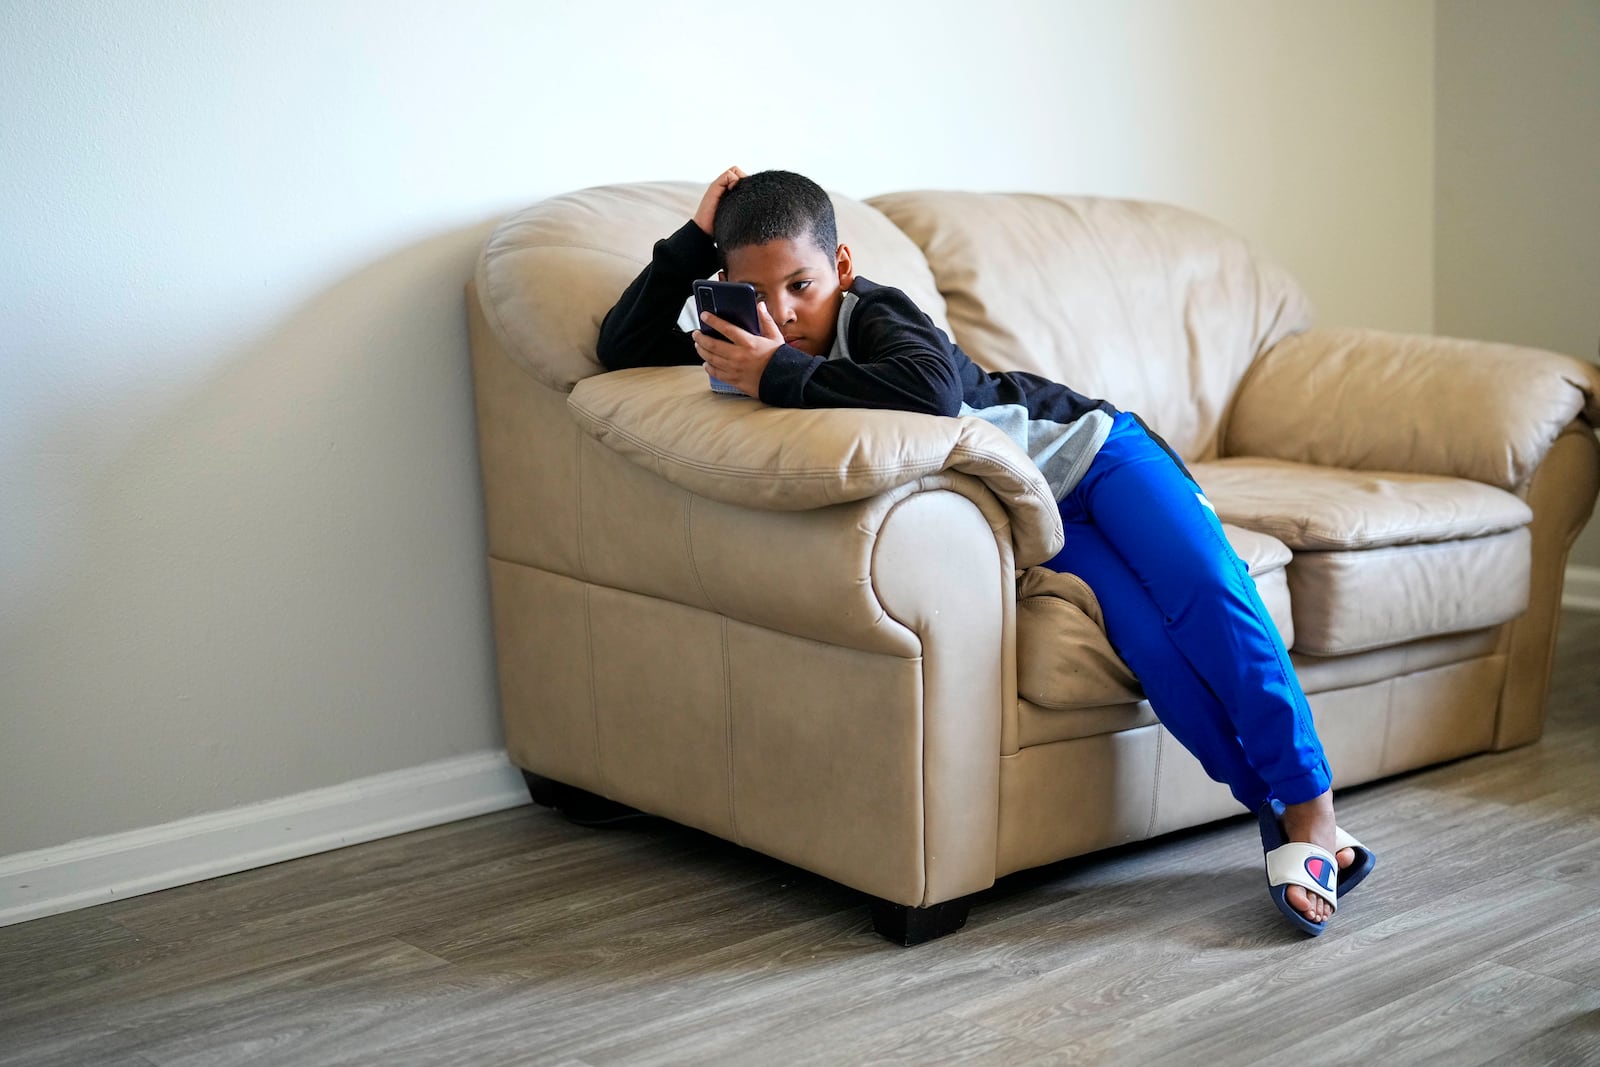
(1305, 903)
(1345, 857)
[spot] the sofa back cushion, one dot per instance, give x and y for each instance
(1152, 307)
(548, 274)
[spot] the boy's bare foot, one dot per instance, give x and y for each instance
(1313, 822)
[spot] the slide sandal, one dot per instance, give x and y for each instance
(1359, 868)
(1295, 863)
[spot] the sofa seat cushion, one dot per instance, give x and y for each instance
(1071, 682)
(1381, 558)
(1347, 602)
(1325, 509)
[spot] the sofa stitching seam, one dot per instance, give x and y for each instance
(583, 563)
(1298, 538)
(1388, 724)
(688, 550)
(1155, 790)
(727, 704)
(1411, 550)
(594, 705)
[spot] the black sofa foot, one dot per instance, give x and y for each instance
(578, 805)
(905, 925)
(546, 792)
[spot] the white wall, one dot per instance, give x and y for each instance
(1518, 228)
(241, 543)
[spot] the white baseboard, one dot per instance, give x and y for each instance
(98, 869)
(1581, 592)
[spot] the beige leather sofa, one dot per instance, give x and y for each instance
(821, 634)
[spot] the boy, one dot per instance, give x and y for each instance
(1179, 605)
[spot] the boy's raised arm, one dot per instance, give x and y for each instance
(641, 330)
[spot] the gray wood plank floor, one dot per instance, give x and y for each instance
(520, 938)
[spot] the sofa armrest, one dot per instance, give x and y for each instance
(739, 451)
(849, 657)
(1369, 400)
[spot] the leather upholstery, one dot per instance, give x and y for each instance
(807, 631)
(1353, 601)
(1325, 508)
(1073, 796)
(1562, 495)
(1319, 674)
(1381, 558)
(1424, 405)
(1150, 306)
(740, 451)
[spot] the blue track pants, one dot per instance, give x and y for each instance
(1183, 612)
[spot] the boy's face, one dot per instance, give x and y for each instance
(801, 284)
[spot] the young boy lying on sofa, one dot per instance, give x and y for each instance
(1179, 605)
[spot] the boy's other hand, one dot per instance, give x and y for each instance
(706, 213)
(740, 360)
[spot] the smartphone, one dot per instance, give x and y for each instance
(733, 301)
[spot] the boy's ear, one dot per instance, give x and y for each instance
(847, 274)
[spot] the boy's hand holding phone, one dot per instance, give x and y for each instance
(743, 357)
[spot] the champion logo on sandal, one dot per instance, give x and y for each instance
(1321, 871)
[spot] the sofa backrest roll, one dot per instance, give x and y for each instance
(1157, 309)
(548, 274)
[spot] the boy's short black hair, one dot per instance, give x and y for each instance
(775, 205)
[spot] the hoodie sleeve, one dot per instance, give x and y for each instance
(899, 361)
(641, 330)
